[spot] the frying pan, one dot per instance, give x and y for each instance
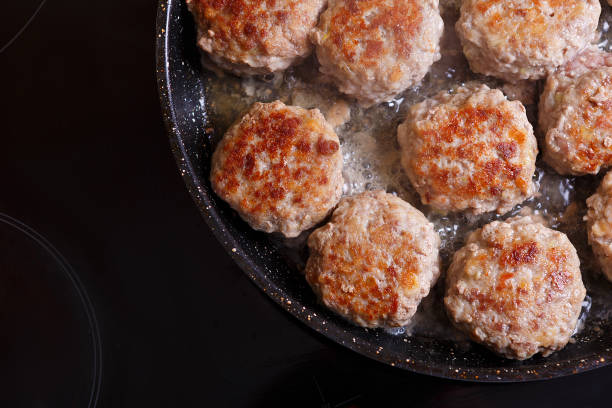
(182, 88)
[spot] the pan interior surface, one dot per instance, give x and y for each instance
(191, 97)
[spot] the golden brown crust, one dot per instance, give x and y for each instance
(279, 164)
(525, 39)
(516, 287)
(599, 224)
(469, 151)
(525, 24)
(375, 260)
(348, 29)
(503, 297)
(255, 36)
(456, 137)
(593, 153)
(242, 21)
(578, 122)
(376, 49)
(399, 269)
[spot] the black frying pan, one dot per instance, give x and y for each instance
(184, 104)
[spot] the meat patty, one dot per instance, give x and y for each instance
(280, 167)
(516, 287)
(375, 260)
(576, 115)
(249, 37)
(599, 225)
(376, 49)
(525, 39)
(469, 150)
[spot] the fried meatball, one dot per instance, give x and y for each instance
(376, 49)
(470, 150)
(576, 115)
(375, 260)
(516, 287)
(525, 39)
(250, 37)
(599, 225)
(280, 168)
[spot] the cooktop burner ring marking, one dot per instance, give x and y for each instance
(82, 294)
(25, 26)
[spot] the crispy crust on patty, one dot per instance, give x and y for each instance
(375, 260)
(471, 150)
(250, 37)
(516, 287)
(280, 167)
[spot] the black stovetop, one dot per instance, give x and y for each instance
(85, 162)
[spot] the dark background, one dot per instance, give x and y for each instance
(85, 161)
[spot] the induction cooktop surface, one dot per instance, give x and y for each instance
(113, 291)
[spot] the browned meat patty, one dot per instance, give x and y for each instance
(576, 115)
(525, 39)
(375, 260)
(469, 150)
(516, 287)
(376, 49)
(280, 167)
(599, 224)
(250, 37)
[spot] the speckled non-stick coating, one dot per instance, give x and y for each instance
(184, 108)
